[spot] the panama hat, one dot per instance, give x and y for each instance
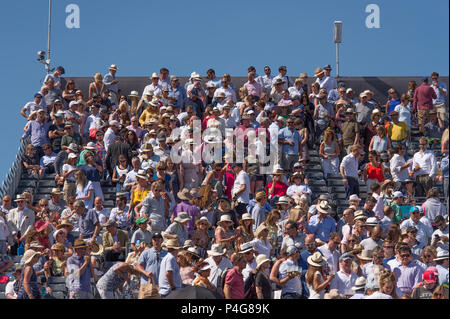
(316, 260)
(246, 247)
(224, 218)
(182, 217)
(173, 243)
(96, 249)
(441, 255)
(35, 245)
(360, 284)
(184, 194)
(365, 255)
(58, 246)
(20, 197)
(193, 251)
(324, 207)
(142, 174)
(318, 71)
(246, 216)
(216, 250)
(260, 228)
(261, 259)
(114, 67)
(134, 94)
(203, 220)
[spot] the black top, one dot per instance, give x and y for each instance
(263, 282)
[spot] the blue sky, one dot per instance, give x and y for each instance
(141, 36)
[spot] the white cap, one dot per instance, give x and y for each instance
(398, 194)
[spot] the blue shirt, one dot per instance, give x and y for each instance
(38, 133)
(107, 79)
(322, 229)
(180, 94)
(169, 263)
(150, 259)
(444, 166)
(286, 134)
(77, 283)
(440, 96)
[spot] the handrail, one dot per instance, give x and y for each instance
(12, 179)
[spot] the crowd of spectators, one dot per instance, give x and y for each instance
(242, 228)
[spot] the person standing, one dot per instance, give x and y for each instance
(349, 171)
(315, 276)
(29, 287)
(423, 102)
(169, 275)
(408, 272)
(80, 271)
(291, 282)
(20, 220)
(234, 280)
(111, 82)
(424, 166)
(241, 189)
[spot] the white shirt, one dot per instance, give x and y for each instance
(293, 92)
(156, 90)
(266, 82)
(379, 206)
(217, 269)
(285, 78)
(109, 138)
(241, 179)
(327, 83)
(398, 174)
(378, 295)
(441, 245)
(350, 165)
(9, 289)
(229, 93)
(331, 257)
(427, 162)
(262, 247)
(423, 231)
(248, 268)
(344, 282)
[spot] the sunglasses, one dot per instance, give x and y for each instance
(405, 256)
(389, 247)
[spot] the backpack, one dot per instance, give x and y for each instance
(221, 281)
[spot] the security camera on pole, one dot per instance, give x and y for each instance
(41, 54)
(337, 40)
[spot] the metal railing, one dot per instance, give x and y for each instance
(12, 179)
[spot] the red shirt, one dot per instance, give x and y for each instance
(236, 280)
(423, 97)
(280, 189)
(375, 172)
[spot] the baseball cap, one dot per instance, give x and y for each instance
(38, 95)
(414, 208)
(157, 235)
(346, 256)
(291, 250)
(398, 194)
(429, 276)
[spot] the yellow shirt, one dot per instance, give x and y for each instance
(398, 131)
(147, 115)
(139, 196)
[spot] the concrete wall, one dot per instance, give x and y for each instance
(378, 85)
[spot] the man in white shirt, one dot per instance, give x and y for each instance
(330, 252)
(283, 70)
(440, 236)
(349, 171)
(241, 189)
(266, 80)
(93, 120)
(111, 133)
(155, 86)
(227, 89)
(345, 278)
(31, 107)
(424, 167)
(218, 262)
(424, 232)
(398, 165)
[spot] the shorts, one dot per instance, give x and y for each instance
(256, 177)
(423, 115)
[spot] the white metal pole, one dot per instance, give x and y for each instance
(49, 32)
(337, 60)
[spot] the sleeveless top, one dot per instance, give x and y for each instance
(111, 281)
(329, 149)
(139, 196)
(375, 172)
(314, 294)
(120, 171)
(33, 286)
(380, 144)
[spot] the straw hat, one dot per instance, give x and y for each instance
(184, 194)
(318, 71)
(56, 190)
(64, 223)
(142, 174)
(246, 247)
(114, 67)
(80, 243)
(386, 184)
(134, 94)
(203, 220)
(359, 214)
(182, 217)
(260, 260)
(216, 250)
(173, 243)
(441, 255)
(193, 251)
(360, 283)
(365, 255)
(58, 246)
(29, 255)
(247, 216)
(323, 207)
(316, 260)
(260, 228)
(20, 197)
(224, 218)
